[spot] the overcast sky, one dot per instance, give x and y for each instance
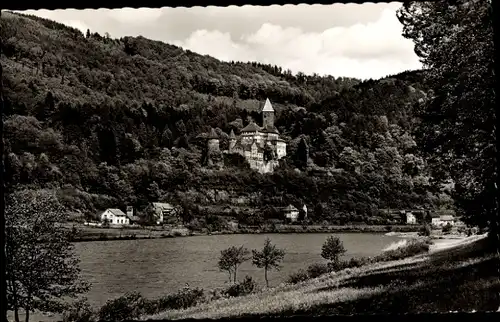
(351, 40)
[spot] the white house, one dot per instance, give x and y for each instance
(162, 210)
(410, 218)
(443, 220)
(115, 217)
(291, 213)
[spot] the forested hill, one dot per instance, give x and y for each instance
(115, 122)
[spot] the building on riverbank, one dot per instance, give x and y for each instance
(406, 216)
(114, 216)
(291, 213)
(163, 210)
(442, 220)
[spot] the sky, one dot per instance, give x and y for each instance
(343, 40)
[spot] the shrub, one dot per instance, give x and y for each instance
(357, 262)
(447, 228)
(240, 289)
(79, 311)
(337, 266)
(217, 294)
(412, 248)
(425, 230)
(298, 277)
(187, 297)
(127, 307)
(317, 269)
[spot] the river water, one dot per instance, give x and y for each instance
(156, 267)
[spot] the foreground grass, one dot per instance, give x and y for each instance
(458, 279)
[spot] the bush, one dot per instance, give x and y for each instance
(447, 228)
(80, 311)
(337, 266)
(357, 262)
(187, 297)
(218, 293)
(425, 230)
(298, 277)
(412, 248)
(127, 307)
(240, 289)
(133, 305)
(317, 269)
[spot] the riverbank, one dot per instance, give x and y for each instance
(87, 233)
(459, 276)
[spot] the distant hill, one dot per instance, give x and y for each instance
(112, 122)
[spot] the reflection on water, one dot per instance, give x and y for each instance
(156, 267)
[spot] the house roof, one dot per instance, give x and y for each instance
(117, 212)
(446, 218)
(162, 205)
(212, 134)
(231, 135)
(251, 127)
(267, 106)
(133, 218)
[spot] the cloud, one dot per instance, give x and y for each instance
(370, 50)
(352, 40)
(138, 16)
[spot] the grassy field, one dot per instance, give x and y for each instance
(460, 278)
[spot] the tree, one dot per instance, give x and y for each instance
(231, 258)
(454, 41)
(425, 230)
(41, 268)
(268, 258)
(332, 249)
(302, 154)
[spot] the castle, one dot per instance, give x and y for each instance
(262, 146)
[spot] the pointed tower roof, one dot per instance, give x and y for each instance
(267, 106)
(231, 135)
(212, 134)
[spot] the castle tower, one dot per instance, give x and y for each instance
(232, 141)
(268, 115)
(213, 141)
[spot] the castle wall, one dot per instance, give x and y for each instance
(280, 149)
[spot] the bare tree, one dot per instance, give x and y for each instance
(42, 271)
(268, 258)
(231, 258)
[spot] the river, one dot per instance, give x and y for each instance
(156, 267)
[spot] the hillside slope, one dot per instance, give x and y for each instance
(459, 279)
(115, 122)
